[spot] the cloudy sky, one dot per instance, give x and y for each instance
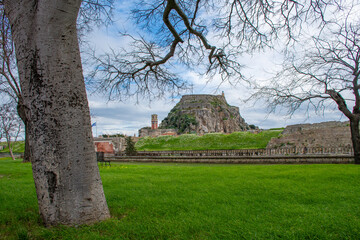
(127, 117)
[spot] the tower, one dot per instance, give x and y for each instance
(154, 121)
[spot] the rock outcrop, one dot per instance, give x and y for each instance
(324, 135)
(204, 114)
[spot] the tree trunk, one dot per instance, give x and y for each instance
(22, 115)
(65, 171)
(10, 147)
(355, 137)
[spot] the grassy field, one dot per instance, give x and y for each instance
(18, 147)
(179, 201)
(237, 140)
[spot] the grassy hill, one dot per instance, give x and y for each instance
(211, 141)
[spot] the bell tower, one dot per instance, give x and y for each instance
(154, 121)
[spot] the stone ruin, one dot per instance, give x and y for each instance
(332, 134)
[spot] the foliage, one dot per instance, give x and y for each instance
(130, 149)
(213, 141)
(113, 135)
(181, 122)
(183, 201)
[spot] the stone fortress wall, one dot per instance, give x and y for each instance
(318, 135)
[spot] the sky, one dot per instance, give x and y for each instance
(128, 117)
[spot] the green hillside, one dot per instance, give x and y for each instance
(211, 141)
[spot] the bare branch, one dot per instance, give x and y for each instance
(182, 35)
(327, 70)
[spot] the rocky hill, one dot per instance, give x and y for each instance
(204, 114)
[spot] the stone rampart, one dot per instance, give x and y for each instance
(318, 135)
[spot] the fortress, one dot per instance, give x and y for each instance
(200, 114)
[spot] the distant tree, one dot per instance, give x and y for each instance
(252, 126)
(326, 72)
(9, 79)
(10, 125)
(130, 149)
(113, 135)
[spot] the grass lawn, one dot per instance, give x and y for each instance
(183, 201)
(211, 141)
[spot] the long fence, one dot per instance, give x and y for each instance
(300, 159)
(253, 152)
(245, 156)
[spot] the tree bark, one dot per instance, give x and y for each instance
(65, 171)
(355, 137)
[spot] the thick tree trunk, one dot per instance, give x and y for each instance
(65, 170)
(355, 137)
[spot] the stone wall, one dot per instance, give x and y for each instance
(252, 152)
(112, 145)
(148, 132)
(319, 135)
(104, 146)
(302, 159)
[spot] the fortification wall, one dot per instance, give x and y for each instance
(321, 135)
(148, 132)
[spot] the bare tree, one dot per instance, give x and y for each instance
(328, 72)
(183, 32)
(10, 125)
(9, 81)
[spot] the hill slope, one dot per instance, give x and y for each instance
(213, 141)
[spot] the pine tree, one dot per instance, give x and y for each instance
(130, 149)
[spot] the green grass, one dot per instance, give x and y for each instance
(183, 201)
(212, 141)
(18, 147)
